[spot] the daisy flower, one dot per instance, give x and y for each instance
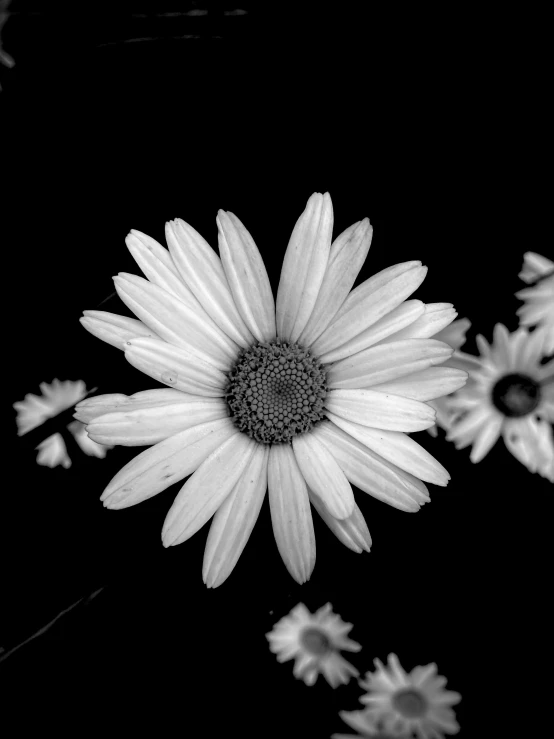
(34, 410)
(301, 396)
(414, 705)
(510, 394)
(314, 640)
(538, 308)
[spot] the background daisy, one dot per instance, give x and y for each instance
(314, 641)
(56, 397)
(509, 395)
(538, 307)
(413, 704)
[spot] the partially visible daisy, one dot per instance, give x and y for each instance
(56, 397)
(409, 705)
(538, 307)
(510, 395)
(314, 641)
(301, 396)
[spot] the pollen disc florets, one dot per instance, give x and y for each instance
(315, 641)
(276, 391)
(410, 703)
(516, 395)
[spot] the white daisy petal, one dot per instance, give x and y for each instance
(31, 412)
(351, 531)
(98, 405)
(501, 345)
(337, 671)
(201, 269)
(304, 266)
(532, 443)
(53, 452)
(114, 329)
(346, 257)
(205, 491)
(471, 422)
(462, 361)
(426, 384)
(436, 318)
(175, 322)
(534, 348)
(380, 410)
(88, 446)
(359, 721)
(534, 266)
(167, 462)
(63, 394)
(323, 475)
(369, 302)
(233, 522)
(175, 367)
(397, 448)
(157, 265)
(371, 473)
(455, 333)
(405, 314)
(383, 363)
(291, 516)
(142, 426)
(247, 276)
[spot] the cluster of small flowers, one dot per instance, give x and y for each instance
(510, 389)
(398, 704)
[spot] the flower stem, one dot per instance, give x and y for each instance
(5, 654)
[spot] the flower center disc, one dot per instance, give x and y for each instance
(315, 641)
(276, 391)
(516, 395)
(410, 703)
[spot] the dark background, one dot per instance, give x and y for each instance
(112, 121)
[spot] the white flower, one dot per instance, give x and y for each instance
(538, 308)
(314, 640)
(34, 410)
(509, 394)
(409, 705)
(301, 397)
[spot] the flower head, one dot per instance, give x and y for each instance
(56, 397)
(407, 705)
(301, 396)
(538, 307)
(314, 640)
(510, 394)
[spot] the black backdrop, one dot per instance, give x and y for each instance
(112, 122)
